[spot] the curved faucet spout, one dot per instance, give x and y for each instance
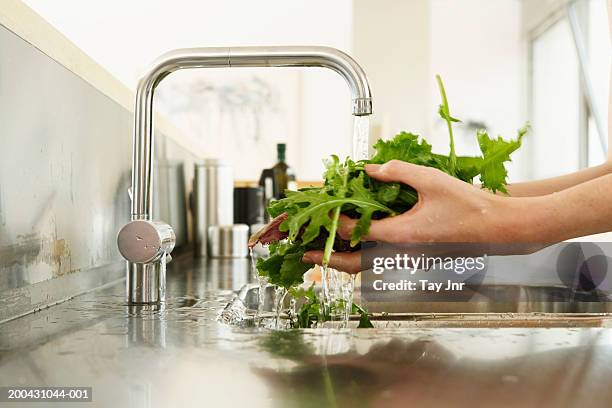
(214, 57)
(189, 58)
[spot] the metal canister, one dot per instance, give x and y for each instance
(213, 200)
(228, 241)
(169, 197)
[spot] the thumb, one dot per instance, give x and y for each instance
(407, 173)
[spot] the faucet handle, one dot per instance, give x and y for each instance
(144, 241)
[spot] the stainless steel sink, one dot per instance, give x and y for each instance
(424, 354)
(488, 306)
(502, 299)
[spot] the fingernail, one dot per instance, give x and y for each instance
(372, 168)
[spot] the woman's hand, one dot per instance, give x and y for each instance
(448, 210)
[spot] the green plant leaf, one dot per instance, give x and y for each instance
(313, 213)
(496, 152)
(364, 317)
(444, 112)
(405, 147)
(284, 266)
(311, 210)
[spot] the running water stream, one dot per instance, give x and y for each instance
(337, 287)
(361, 138)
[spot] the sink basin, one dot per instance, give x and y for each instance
(489, 306)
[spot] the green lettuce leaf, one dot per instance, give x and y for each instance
(313, 213)
(310, 210)
(496, 152)
(405, 147)
(284, 266)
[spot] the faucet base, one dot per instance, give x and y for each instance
(146, 283)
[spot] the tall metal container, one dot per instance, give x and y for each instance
(169, 200)
(213, 199)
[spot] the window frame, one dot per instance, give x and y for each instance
(547, 16)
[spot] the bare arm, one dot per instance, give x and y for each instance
(450, 210)
(584, 209)
(556, 184)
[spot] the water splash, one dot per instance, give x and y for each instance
(335, 294)
(336, 298)
(254, 273)
(262, 282)
(324, 298)
(343, 299)
(292, 312)
(279, 299)
(347, 287)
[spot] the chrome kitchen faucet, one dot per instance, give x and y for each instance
(146, 244)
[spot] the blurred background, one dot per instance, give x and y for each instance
(504, 62)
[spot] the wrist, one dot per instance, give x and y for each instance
(530, 220)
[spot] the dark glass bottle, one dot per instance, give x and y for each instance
(284, 176)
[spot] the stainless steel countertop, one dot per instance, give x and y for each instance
(181, 356)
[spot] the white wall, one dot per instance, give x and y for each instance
(125, 36)
(475, 45)
(392, 42)
(599, 66)
(477, 49)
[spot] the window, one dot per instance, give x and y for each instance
(569, 65)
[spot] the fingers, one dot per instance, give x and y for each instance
(345, 227)
(384, 230)
(398, 171)
(349, 262)
(389, 229)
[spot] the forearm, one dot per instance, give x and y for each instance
(556, 184)
(584, 209)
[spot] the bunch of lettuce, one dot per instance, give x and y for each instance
(312, 213)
